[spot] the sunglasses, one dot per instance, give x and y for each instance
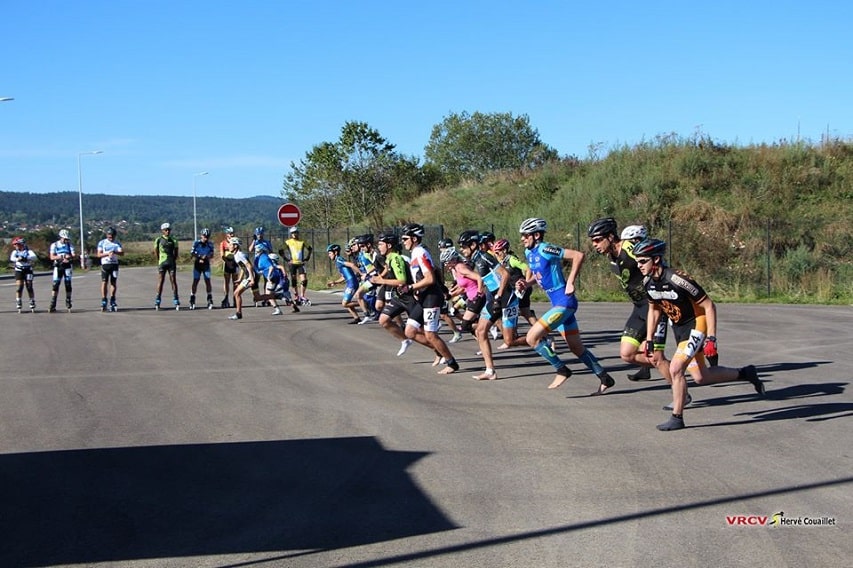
(643, 261)
(405, 238)
(526, 235)
(597, 239)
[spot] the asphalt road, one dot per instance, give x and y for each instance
(145, 438)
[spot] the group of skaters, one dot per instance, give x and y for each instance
(486, 296)
(266, 274)
(62, 254)
(489, 287)
(241, 273)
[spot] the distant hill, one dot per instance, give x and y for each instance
(135, 215)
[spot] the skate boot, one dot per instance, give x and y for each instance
(157, 303)
(67, 304)
(224, 304)
(113, 305)
(33, 306)
(18, 305)
(103, 304)
(177, 303)
(192, 301)
(52, 307)
(209, 302)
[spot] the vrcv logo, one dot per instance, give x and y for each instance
(747, 520)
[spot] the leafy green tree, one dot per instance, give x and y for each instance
(468, 146)
(348, 180)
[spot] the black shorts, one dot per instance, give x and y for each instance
(109, 272)
(635, 327)
(403, 304)
(524, 301)
(296, 269)
(168, 266)
(24, 274)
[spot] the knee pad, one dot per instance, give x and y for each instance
(466, 326)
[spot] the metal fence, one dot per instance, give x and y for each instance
(749, 262)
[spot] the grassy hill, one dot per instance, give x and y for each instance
(766, 222)
(769, 222)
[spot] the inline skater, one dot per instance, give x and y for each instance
(202, 254)
(245, 280)
(108, 250)
(23, 258)
(546, 267)
(297, 253)
(229, 268)
(62, 255)
(694, 325)
(348, 272)
(618, 249)
(424, 312)
(166, 251)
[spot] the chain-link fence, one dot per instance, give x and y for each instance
(750, 263)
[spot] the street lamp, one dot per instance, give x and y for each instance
(80, 192)
(195, 219)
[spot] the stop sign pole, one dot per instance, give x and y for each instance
(289, 215)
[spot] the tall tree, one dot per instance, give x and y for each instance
(467, 146)
(345, 181)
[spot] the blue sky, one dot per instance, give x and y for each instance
(168, 89)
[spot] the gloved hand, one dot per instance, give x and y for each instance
(710, 348)
(650, 349)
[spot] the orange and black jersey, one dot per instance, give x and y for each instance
(677, 294)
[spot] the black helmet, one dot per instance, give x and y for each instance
(650, 248)
(487, 237)
(468, 237)
(333, 248)
(365, 239)
(413, 230)
(602, 227)
(111, 231)
(388, 238)
(445, 244)
(205, 232)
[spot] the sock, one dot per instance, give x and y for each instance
(544, 349)
(591, 362)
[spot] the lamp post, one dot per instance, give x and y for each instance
(195, 219)
(80, 194)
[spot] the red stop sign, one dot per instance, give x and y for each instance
(289, 215)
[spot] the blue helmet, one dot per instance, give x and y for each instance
(261, 248)
(650, 248)
(259, 231)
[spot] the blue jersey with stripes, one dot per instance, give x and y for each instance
(347, 272)
(546, 263)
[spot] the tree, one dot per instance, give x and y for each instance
(467, 146)
(345, 181)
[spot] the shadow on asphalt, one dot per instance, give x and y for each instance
(119, 504)
(613, 522)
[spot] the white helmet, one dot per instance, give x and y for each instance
(294, 230)
(165, 226)
(234, 241)
(274, 257)
(533, 225)
(634, 232)
(64, 234)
